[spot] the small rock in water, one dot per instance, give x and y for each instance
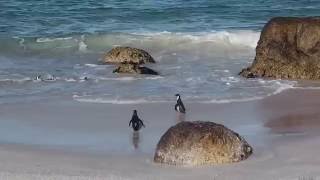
(128, 54)
(246, 73)
(133, 68)
(201, 143)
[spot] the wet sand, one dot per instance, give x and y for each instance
(65, 139)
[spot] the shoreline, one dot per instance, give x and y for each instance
(70, 140)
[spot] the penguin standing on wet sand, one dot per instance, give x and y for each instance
(179, 107)
(136, 122)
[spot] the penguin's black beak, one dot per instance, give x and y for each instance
(177, 95)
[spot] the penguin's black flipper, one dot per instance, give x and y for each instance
(141, 123)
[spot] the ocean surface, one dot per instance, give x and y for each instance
(200, 47)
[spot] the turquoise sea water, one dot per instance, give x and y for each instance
(63, 18)
(200, 46)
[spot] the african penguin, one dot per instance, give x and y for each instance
(179, 107)
(38, 78)
(136, 122)
(51, 78)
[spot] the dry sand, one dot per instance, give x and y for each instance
(64, 139)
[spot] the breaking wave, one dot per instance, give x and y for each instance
(97, 43)
(278, 86)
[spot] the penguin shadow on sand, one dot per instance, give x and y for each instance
(180, 109)
(136, 123)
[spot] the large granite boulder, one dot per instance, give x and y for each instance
(128, 54)
(201, 143)
(133, 68)
(288, 48)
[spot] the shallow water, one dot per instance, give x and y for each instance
(201, 67)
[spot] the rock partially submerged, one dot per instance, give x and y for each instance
(201, 143)
(247, 73)
(288, 48)
(128, 54)
(133, 68)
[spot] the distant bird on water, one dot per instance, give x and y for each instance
(38, 78)
(136, 122)
(179, 107)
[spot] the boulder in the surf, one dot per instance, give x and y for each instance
(128, 54)
(289, 48)
(133, 68)
(201, 143)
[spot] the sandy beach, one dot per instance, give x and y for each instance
(66, 139)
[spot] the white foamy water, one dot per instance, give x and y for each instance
(201, 66)
(95, 43)
(226, 38)
(275, 87)
(45, 40)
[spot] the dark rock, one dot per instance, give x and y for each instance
(288, 48)
(132, 68)
(201, 143)
(128, 54)
(246, 73)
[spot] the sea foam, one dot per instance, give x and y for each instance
(277, 85)
(97, 43)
